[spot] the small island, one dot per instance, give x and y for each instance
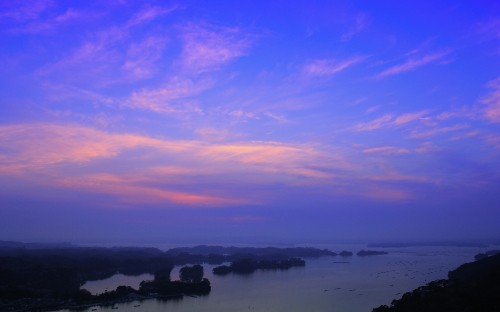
(247, 266)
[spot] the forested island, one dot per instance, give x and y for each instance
(248, 266)
(472, 287)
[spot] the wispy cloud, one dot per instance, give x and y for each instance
(142, 56)
(109, 55)
(94, 60)
(173, 98)
(427, 147)
(48, 150)
(58, 21)
(413, 63)
(213, 134)
(374, 124)
(467, 135)
(410, 117)
(329, 67)
(386, 150)
(23, 10)
(208, 47)
(131, 192)
(417, 134)
(360, 22)
(190, 172)
(38, 146)
(390, 120)
(491, 102)
(149, 13)
(489, 29)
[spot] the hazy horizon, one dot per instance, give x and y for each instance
(249, 121)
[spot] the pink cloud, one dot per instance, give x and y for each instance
(413, 63)
(212, 134)
(43, 145)
(491, 102)
(46, 152)
(407, 118)
(96, 59)
(141, 58)
(386, 150)
(208, 47)
(389, 121)
(467, 135)
(243, 115)
(329, 67)
(132, 192)
(43, 148)
(166, 99)
(374, 124)
(176, 171)
(258, 152)
(436, 131)
(427, 147)
(149, 13)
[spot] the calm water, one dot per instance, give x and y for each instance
(349, 284)
(100, 286)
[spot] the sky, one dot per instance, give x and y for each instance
(249, 121)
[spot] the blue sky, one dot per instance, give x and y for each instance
(249, 120)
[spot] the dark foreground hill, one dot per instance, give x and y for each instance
(472, 287)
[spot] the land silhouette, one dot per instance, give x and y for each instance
(472, 287)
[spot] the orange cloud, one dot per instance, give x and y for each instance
(58, 154)
(132, 192)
